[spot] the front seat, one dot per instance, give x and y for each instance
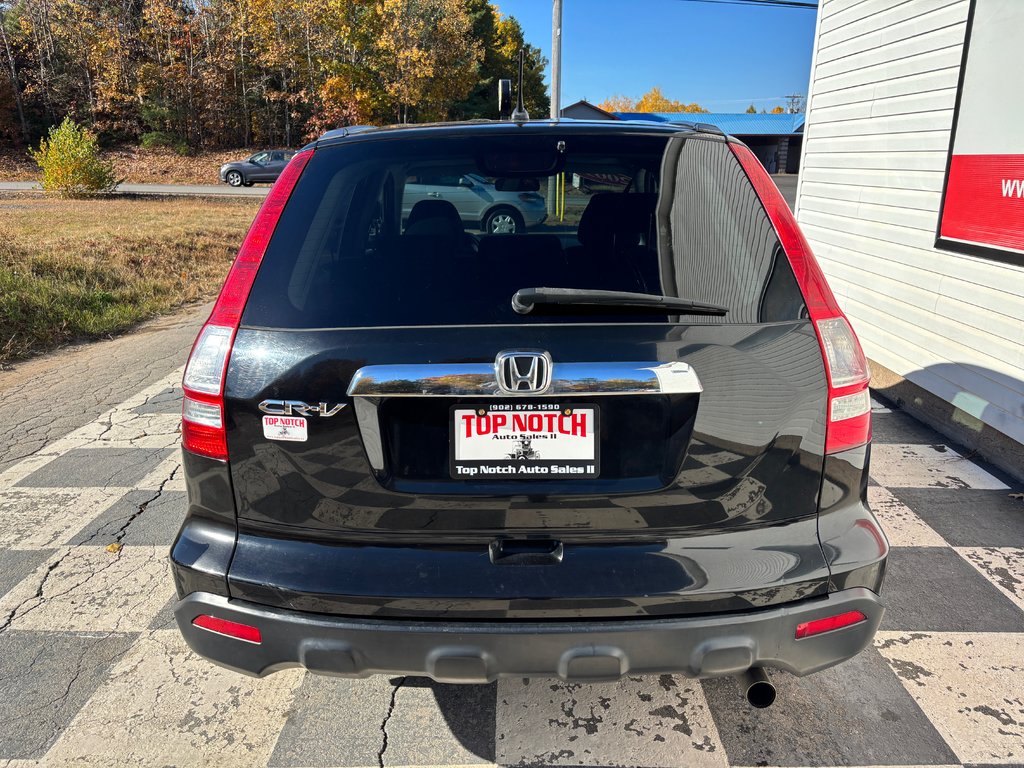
(436, 228)
(434, 217)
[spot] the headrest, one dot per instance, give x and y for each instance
(616, 218)
(434, 217)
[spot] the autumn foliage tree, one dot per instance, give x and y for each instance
(652, 101)
(203, 73)
(69, 159)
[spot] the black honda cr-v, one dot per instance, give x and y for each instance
(633, 440)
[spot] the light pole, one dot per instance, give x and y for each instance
(556, 58)
(556, 87)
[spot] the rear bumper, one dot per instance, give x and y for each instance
(703, 646)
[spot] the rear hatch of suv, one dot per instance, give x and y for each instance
(424, 419)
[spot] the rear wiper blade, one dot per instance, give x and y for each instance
(525, 300)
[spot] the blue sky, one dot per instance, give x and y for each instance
(721, 56)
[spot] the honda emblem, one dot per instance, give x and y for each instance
(523, 372)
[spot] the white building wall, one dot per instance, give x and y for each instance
(880, 110)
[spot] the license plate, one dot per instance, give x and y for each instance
(525, 441)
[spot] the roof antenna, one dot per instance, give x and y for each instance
(519, 114)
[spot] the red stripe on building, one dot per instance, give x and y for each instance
(985, 201)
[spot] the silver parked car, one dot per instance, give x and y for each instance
(261, 167)
(505, 206)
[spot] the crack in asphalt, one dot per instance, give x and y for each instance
(38, 594)
(384, 722)
(123, 530)
(118, 538)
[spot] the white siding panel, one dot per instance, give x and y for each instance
(887, 35)
(897, 142)
(1000, 278)
(921, 82)
(846, 13)
(932, 40)
(897, 198)
(884, 214)
(938, 59)
(882, 125)
(884, 161)
(883, 85)
(927, 329)
(926, 181)
(898, 105)
(928, 291)
(894, 21)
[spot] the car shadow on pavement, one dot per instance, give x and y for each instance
(468, 710)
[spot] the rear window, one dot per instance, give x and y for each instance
(438, 231)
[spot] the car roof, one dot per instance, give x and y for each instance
(561, 126)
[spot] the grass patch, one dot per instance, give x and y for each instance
(77, 270)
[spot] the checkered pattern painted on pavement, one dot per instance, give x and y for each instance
(93, 671)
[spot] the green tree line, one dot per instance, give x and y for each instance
(218, 73)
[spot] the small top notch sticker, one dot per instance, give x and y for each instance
(285, 428)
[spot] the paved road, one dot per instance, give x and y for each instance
(79, 383)
(204, 190)
(93, 672)
(786, 184)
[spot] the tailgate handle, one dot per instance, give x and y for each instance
(526, 552)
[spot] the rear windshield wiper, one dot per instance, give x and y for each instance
(525, 300)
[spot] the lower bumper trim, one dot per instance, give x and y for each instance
(708, 646)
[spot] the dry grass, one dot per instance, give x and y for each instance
(74, 270)
(138, 166)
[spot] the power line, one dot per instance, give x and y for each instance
(766, 3)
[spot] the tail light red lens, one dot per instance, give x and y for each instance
(849, 402)
(229, 628)
(202, 417)
(820, 626)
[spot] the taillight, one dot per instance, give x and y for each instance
(828, 624)
(202, 413)
(849, 403)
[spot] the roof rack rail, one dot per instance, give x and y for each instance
(708, 128)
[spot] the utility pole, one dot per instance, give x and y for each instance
(556, 88)
(556, 58)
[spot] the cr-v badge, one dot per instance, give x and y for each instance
(288, 407)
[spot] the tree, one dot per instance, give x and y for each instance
(652, 101)
(70, 161)
(618, 103)
(15, 83)
(751, 110)
(244, 72)
(423, 55)
(777, 111)
(501, 38)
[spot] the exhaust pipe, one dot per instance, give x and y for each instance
(757, 688)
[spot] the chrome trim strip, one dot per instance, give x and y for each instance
(479, 380)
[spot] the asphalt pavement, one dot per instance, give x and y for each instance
(786, 183)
